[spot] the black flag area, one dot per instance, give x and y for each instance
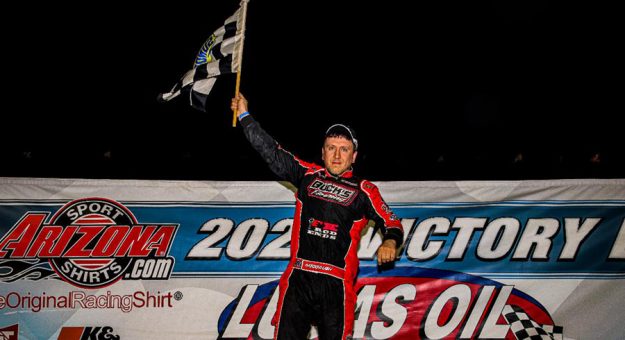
(219, 55)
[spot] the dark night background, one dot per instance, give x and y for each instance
(435, 90)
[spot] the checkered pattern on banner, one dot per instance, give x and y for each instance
(524, 328)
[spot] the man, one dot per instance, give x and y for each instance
(332, 208)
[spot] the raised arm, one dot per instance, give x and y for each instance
(280, 161)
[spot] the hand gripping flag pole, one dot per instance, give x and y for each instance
(239, 63)
(220, 54)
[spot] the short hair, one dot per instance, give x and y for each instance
(342, 130)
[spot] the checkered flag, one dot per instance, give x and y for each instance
(220, 54)
(524, 328)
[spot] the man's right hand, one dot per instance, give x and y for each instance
(239, 104)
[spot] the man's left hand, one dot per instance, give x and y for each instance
(387, 252)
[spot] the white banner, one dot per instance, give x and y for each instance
(117, 259)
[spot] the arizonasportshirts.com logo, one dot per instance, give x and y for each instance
(92, 243)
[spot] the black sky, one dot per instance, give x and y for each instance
(436, 90)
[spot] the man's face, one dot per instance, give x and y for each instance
(338, 154)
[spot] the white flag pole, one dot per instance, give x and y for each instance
(239, 61)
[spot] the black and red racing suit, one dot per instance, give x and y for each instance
(330, 214)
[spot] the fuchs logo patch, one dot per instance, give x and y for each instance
(91, 243)
(331, 192)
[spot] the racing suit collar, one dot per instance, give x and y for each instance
(346, 174)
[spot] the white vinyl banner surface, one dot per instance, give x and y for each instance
(125, 259)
